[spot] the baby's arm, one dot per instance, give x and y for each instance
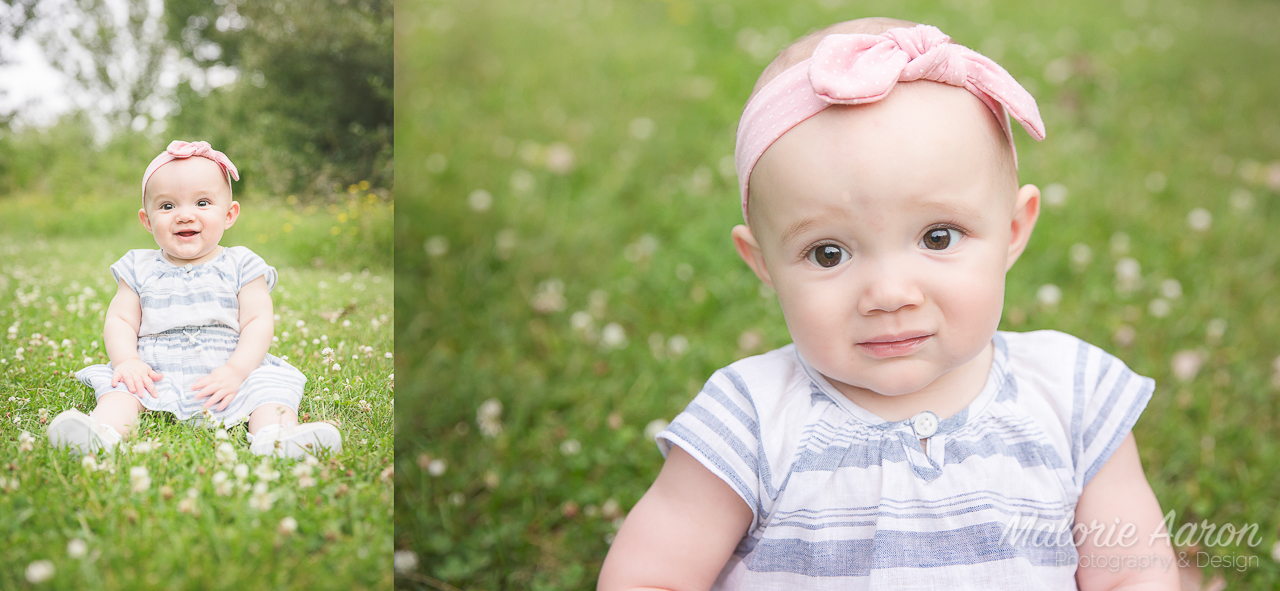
(257, 326)
(1117, 496)
(120, 336)
(681, 533)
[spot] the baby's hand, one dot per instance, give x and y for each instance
(220, 385)
(136, 376)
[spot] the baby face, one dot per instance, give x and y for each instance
(187, 207)
(886, 231)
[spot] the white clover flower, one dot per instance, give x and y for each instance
(39, 571)
(1055, 195)
(89, 464)
(655, 427)
(226, 453)
(1125, 335)
(610, 509)
(221, 434)
(261, 499)
(570, 447)
(677, 345)
(1186, 364)
(1081, 255)
(221, 484)
(337, 367)
(560, 159)
(436, 246)
(613, 336)
(364, 405)
(437, 467)
(580, 320)
(26, 442)
(145, 446)
(287, 526)
(188, 504)
(489, 417)
(480, 200)
(265, 471)
(1128, 274)
(139, 479)
(241, 471)
(1199, 219)
(77, 548)
(1216, 328)
(406, 561)
(549, 298)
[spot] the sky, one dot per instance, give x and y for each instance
(31, 78)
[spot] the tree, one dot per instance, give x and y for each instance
(113, 53)
(312, 106)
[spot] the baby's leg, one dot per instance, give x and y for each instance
(272, 414)
(119, 410)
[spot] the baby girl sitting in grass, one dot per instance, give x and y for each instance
(188, 330)
(901, 441)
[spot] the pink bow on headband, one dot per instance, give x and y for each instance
(854, 69)
(179, 149)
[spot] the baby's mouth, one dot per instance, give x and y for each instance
(187, 233)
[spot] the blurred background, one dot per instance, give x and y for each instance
(565, 280)
(298, 94)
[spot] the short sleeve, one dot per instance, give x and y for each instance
(721, 431)
(250, 266)
(1109, 399)
(126, 270)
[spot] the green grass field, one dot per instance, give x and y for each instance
(168, 510)
(562, 248)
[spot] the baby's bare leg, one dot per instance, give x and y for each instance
(269, 414)
(119, 410)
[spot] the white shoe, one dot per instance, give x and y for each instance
(79, 432)
(297, 441)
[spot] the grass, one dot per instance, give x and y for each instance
(102, 529)
(549, 194)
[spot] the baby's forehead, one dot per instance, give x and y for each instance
(200, 174)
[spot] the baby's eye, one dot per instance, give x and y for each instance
(828, 255)
(203, 203)
(940, 238)
(166, 206)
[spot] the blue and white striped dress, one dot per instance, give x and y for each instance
(845, 500)
(190, 327)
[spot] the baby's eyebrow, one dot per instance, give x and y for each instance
(796, 228)
(960, 210)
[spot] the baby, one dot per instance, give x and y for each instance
(189, 327)
(901, 441)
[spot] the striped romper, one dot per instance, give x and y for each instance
(190, 326)
(845, 500)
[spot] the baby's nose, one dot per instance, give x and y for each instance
(888, 287)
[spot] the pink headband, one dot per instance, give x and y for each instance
(179, 149)
(853, 69)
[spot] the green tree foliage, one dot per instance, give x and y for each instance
(312, 107)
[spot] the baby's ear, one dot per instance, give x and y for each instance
(749, 250)
(1026, 210)
(146, 221)
(233, 213)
